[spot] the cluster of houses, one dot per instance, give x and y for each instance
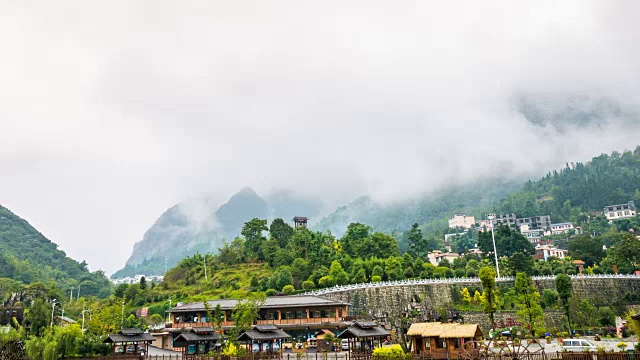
(535, 228)
(285, 320)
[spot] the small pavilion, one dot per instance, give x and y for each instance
(366, 333)
(265, 336)
(130, 341)
(199, 340)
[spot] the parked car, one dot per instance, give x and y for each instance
(344, 345)
(577, 345)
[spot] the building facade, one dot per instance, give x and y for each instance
(300, 316)
(622, 211)
(544, 252)
(462, 221)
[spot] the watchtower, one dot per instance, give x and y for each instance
(300, 221)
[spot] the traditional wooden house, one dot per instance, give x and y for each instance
(365, 334)
(263, 338)
(321, 340)
(199, 340)
(130, 342)
(443, 341)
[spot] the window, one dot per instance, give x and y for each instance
(302, 314)
(273, 316)
(291, 315)
(316, 314)
(584, 343)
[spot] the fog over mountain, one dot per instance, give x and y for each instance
(114, 112)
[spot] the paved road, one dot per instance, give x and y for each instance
(157, 351)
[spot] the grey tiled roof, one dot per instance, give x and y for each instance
(189, 337)
(362, 330)
(263, 335)
(270, 302)
(117, 338)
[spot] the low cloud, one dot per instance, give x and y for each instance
(114, 112)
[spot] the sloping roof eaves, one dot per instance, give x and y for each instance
(266, 335)
(270, 302)
(197, 337)
(357, 332)
(117, 338)
(425, 329)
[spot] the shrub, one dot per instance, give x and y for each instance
(376, 278)
(271, 292)
(622, 346)
(388, 353)
(288, 289)
(601, 348)
(308, 284)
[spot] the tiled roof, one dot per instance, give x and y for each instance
(130, 331)
(270, 302)
(263, 335)
(189, 337)
(363, 329)
(116, 338)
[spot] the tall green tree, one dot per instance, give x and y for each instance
(281, 231)
(417, 243)
(244, 314)
(508, 242)
(528, 302)
(586, 248)
(565, 291)
(489, 292)
(253, 233)
(519, 262)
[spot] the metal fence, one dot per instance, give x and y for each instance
(369, 356)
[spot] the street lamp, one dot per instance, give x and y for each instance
(493, 237)
(84, 311)
(122, 320)
(53, 308)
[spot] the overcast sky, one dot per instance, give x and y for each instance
(112, 111)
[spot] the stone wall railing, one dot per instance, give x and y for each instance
(463, 280)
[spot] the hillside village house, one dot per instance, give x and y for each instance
(462, 221)
(443, 340)
(544, 252)
(622, 211)
(560, 228)
(436, 257)
(299, 316)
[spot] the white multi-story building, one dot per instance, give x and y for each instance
(544, 252)
(462, 221)
(622, 211)
(560, 228)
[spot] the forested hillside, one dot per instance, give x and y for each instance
(570, 193)
(27, 256)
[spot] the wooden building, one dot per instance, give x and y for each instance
(443, 341)
(130, 342)
(301, 316)
(199, 340)
(364, 333)
(264, 336)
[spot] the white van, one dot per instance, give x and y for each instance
(344, 345)
(577, 345)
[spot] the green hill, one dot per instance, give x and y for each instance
(27, 256)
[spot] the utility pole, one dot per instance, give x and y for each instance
(205, 268)
(71, 294)
(122, 320)
(53, 309)
(78, 297)
(169, 308)
(495, 251)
